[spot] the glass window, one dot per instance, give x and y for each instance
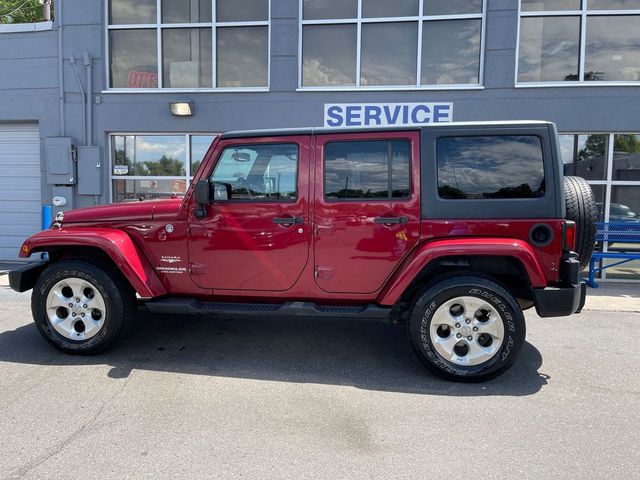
(129, 12)
(329, 9)
(242, 56)
(242, 10)
(567, 152)
(550, 5)
(259, 172)
(446, 40)
(386, 54)
(149, 155)
(133, 56)
(612, 48)
(626, 158)
(187, 53)
(385, 8)
(199, 147)
(490, 167)
(451, 7)
(599, 192)
(389, 53)
(614, 4)
(549, 49)
(186, 57)
(130, 190)
(190, 11)
(329, 55)
(591, 157)
(367, 170)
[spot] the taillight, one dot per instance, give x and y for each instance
(569, 236)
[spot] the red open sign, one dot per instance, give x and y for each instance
(137, 79)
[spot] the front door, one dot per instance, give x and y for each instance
(255, 235)
(367, 208)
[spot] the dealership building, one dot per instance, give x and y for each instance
(118, 100)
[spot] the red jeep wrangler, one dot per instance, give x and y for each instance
(453, 229)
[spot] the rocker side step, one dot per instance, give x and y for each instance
(292, 309)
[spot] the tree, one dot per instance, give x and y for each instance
(21, 11)
(165, 167)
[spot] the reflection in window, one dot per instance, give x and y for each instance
(549, 49)
(129, 190)
(186, 52)
(613, 48)
(447, 39)
(259, 172)
(130, 12)
(180, 11)
(133, 58)
(149, 155)
(488, 167)
(329, 55)
(550, 5)
(626, 159)
(389, 53)
(242, 56)
(356, 170)
(452, 7)
(199, 147)
(187, 57)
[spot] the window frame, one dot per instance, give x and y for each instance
(254, 200)
(188, 173)
(583, 13)
(420, 19)
(389, 198)
(158, 26)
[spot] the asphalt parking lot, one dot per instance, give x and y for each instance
(201, 398)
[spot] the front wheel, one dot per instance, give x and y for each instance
(467, 328)
(80, 307)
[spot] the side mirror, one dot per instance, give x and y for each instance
(221, 191)
(202, 192)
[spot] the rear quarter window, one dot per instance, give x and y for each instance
(490, 167)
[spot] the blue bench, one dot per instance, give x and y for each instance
(614, 232)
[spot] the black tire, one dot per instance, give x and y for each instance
(117, 294)
(581, 208)
(504, 304)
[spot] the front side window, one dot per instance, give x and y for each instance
(376, 43)
(194, 44)
(551, 36)
(490, 167)
(258, 172)
(377, 170)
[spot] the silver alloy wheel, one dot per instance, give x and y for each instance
(467, 331)
(76, 309)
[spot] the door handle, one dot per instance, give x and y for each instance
(288, 221)
(390, 220)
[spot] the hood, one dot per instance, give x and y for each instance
(119, 212)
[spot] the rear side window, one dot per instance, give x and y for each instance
(367, 170)
(490, 167)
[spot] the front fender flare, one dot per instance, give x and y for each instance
(115, 243)
(502, 247)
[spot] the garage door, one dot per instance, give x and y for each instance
(20, 197)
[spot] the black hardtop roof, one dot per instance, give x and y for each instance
(283, 132)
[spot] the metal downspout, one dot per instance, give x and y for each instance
(60, 68)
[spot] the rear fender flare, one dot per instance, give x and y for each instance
(115, 243)
(503, 247)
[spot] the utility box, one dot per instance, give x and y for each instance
(61, 169)
(89, 170)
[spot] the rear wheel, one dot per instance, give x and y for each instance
(467, 328)
(80, 307)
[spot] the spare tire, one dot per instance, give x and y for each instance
(581, 208)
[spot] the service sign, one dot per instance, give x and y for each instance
(340, 115)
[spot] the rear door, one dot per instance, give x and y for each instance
(367, 208)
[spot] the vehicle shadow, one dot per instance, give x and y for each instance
(365, 355)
